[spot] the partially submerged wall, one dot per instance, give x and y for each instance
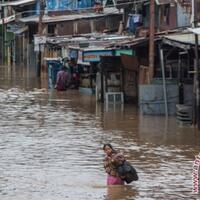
(151, 98)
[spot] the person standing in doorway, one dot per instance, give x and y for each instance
(112, 160)
(75, 74)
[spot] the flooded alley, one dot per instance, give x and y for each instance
(51, 146)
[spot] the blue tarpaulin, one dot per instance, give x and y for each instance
(53, 67)
(66, 4)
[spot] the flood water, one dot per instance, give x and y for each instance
(51, 146)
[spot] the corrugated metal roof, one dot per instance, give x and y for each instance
(188, 39)
(21, 30)
(7, 19)
(103, 43)
(130, 42)
(100, 41)
(17, 3)
(162, 2)
(195, 30)
(33, 18)
(48, 19)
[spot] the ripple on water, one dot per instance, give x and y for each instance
(51, 148)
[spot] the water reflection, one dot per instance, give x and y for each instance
(121, 192)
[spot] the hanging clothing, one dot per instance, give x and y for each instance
(137, 18)
(134, 20)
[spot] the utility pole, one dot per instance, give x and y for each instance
(40, 33)
(151, 39)
(3, 36)
(41, 14)
(196, 69)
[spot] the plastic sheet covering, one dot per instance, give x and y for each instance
(66, 4)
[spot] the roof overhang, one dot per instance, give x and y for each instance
(176, 44)
(194, 30)
(184, 40)
(18, 3)
(72, 17)
(164, 2)
(21, 30)
(7, 19)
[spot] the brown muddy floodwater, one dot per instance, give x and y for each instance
(51, 146)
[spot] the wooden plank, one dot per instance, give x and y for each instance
(130, 62)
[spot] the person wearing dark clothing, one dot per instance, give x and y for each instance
(75, 74)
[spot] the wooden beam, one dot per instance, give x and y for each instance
(177, 44)
(151, 39)
(40, 33)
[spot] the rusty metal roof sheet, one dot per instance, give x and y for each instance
(71, 17)
(129, 43)
(100, 42)
(92, 39)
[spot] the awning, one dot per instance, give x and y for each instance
(163, 2)
(184, 41)
(21, 30)
(195, 30)
(71, 17)
(7, 19)
(182, 38)
(18, 3)
(83, 63)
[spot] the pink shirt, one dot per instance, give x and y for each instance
(61, 81)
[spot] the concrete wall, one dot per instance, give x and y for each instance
(188, 94)
(151, 99)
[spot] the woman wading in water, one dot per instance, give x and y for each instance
(112, 160)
